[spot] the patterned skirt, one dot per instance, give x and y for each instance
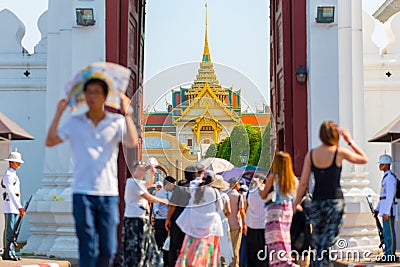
(326, 218)
(277, 234)
(203, 252)
(139, 246)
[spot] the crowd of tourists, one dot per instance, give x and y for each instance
(202, 220)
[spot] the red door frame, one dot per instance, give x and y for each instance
(289, 51)
(124, 46)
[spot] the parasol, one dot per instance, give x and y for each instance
(217, 164)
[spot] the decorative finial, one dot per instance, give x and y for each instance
(166, 101)
(206, 20)
(206, 53)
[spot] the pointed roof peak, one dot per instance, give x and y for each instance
(206, 53)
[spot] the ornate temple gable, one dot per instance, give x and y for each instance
(206, 99)
(207, 122)
(387, 10)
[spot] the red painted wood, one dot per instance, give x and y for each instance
(287, 58)
(112, 30)
(124, 46)
(299, 92)
(288, 98)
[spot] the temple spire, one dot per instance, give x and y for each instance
(206, 53)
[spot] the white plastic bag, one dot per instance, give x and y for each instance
(166, 244)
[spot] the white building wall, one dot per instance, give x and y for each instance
(336, 92)
(323, 65)
(23, 100)
(382, 94)
(69, 48)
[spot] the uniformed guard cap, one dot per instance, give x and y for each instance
(385, 159)
(15, 156)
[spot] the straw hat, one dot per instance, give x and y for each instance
(220, 183)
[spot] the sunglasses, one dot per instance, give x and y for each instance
(138, 163)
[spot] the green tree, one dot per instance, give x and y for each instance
(255, 154)
(211, 151)
(265, 155)
(224, 149)
(244, 138)
(254, 137)
(239, 144)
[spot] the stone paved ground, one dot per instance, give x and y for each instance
(365, 263)
(38, 261)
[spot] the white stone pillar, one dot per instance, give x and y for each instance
(359, 227)
(345, 66)
(358, 78)
(47, 216)
(70, 47)
(335, 92)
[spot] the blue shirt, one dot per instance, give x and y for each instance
(386, 203)
(163, 209)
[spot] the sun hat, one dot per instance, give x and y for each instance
(220, 183)
(200, 167)
(233, 181)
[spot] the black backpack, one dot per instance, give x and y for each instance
(397, 186)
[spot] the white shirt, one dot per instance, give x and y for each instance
(202, 219)
(162, 208)
(388, 190)
(13, 200)
(135, 205)
(94, 153)
(225, 201)
(255, 213)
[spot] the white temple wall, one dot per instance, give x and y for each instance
(23, 100)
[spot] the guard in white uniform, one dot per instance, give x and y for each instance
(387, 208)
(12, 200)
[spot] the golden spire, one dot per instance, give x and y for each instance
(206, 53)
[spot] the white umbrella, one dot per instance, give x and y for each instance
(217, 164)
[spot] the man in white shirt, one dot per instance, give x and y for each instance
(160, 214)
(94, 140)
(12, 200)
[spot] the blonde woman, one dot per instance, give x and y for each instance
(327, 206)
(280, 212)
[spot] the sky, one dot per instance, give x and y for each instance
(174, 39)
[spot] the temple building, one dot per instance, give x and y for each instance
(200, 115)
